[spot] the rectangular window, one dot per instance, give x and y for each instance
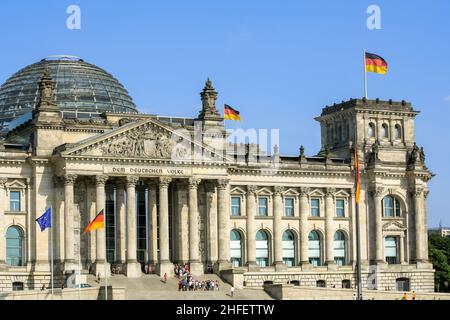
(235, 206)
(14, 201)
(262, 206)
(289, 207)
(340, 209)
(390, 248)
(315, 208)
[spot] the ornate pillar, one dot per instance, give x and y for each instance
(277, 227)
(223, 215)
(379, 241)
(120, 222)
(2, 224)
(152, 223)
(100, 237)
(329, 230)
(250, 225)
(69, 261)
(211, 222)
(304, 213)
(419, 224)
(194, 260)
(164, 262)
(133, 267)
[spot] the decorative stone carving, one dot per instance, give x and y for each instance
(2, 182)
(416, 192)
(330, 192)
(377, 192)
(46, 90)
(209, 96)
(69, 179)
(101, 179)
(164, 182)
(304, 191)
(146, 141)
(125, 121)
(194, 182)
(223, 183)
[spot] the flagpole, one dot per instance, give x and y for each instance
(51, 249)
(357, 226)
(106, 274)
(365, 74)
(79, 272)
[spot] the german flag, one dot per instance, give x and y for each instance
(230, 114)
(375, 63)
(357, 175)
(97, 223)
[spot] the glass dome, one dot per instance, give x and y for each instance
(82, 90)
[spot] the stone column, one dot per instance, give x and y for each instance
(329, 230)
(194, 261)
(250, 226)
(401, 254)
(133, 266)
(100, 238)
(58, 221)
(211, 222)
(277, 228)
(182, 217)
(418, 224)
(69, 241)
(164, 260)
(379, 241)
(120, 222)
(2, 224)
(152, 223)
(426, 192)
(223, 215)
(304, 213)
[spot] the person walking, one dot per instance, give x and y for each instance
(165, 277)
(414, 295)
(232, 292)
(405, 296)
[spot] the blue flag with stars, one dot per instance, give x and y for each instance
(45, 221)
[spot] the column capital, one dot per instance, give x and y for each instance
(164, 182)
(131, 181)
(101, 180)
(329, 192)
(426, 192)
(376, 191)
(278, 190)
(416, 192)
(304, 191)
(69, 179)
(251, 190)
(2, 182)
(194, 182)
(222, 183)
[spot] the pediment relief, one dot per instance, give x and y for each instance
(393, 226)
(144, 139)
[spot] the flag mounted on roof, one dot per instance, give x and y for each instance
(375, 63)
(230, 114)
(97, 223)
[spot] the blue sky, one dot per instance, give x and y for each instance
(278, 62)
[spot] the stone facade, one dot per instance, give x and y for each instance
(175, 192)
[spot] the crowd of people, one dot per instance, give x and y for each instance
(186, 281)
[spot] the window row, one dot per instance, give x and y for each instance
(289, 207)
(384, 131)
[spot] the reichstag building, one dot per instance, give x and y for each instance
(176, 190)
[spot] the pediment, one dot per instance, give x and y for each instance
(393, 226)
(149, 139)
(15, 184)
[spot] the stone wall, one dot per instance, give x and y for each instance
(94, 293)
(31, 281)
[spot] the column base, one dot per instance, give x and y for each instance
(424, 264)
(280, 266)
(69, 266)
(331, 265)
(222, 265)
(306, 266)
(253, 267)
(3, 266)
(165, 267)
(133, 270)
(196, 268)
(99, 269)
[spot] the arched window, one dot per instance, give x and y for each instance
(236, 248)
(371, 130)
(391, 207)
(314, 248)
(384, 131)
(339, 248)
(398, 131)
(262, 248)
(288, 248)
(14, 246)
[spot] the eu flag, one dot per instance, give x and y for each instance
(45, 221)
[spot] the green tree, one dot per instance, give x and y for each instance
(439, 255)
